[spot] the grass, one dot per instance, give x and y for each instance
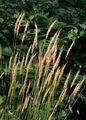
(38, 89)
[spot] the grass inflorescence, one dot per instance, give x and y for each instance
(37, 83)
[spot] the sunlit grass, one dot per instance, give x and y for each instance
(37, 87)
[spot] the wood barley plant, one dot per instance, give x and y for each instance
(37, 87)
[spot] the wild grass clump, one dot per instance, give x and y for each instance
(38, 89)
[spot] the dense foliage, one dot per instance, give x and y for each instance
(70, 16)
(27, 29)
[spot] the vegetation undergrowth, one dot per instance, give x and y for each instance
(33, 84)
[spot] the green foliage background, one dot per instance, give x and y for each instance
(70, 16)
